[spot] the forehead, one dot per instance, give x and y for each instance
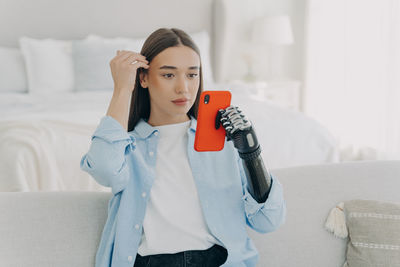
(180, 57)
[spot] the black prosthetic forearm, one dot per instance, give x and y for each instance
(258, 178)
(240, 130)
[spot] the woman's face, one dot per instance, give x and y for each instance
(173, 75)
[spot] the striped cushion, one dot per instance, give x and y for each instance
(374, 232)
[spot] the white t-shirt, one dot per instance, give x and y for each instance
(174, 220)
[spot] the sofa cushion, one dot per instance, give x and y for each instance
(374, 233)
(310, 191)
(64, 228)
(50, 229)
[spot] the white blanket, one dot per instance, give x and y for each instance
(43, 155)
(42, 138)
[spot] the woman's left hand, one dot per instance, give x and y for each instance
(238, 128)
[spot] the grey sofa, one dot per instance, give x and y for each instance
(44, 229)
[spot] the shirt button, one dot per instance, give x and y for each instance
(151, 153)
(137, 226)
(130, 258)
(155, 133)
(144, 194)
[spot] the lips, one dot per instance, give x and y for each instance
(180, 100)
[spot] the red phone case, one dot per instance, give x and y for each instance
(208, 138)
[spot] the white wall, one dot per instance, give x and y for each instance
(243, 14)
(293, 55)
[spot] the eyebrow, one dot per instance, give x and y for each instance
(173, 67)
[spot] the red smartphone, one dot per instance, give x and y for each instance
(207, 137)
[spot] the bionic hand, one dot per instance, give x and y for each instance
(239, 129)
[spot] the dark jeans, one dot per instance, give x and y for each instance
(213, 257)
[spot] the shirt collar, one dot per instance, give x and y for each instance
(144, 129)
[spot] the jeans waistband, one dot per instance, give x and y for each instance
(211, 257)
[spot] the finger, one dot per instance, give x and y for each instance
(121, 52)
(139, 64)
(218, 118)
(127, 54)
(133, 58)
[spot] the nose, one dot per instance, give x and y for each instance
(181, 85)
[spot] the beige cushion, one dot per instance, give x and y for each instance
(374, 232)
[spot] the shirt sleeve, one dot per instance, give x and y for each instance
(106, 159)
(268, 216)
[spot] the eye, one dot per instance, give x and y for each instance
(164, 75)
(192, 75)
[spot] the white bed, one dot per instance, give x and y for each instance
(43, 135)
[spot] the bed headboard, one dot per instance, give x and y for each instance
(74, 19)
(224, 20)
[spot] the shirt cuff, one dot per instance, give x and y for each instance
(252, 207)
(111, 130)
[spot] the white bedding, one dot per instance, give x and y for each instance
(43, 137)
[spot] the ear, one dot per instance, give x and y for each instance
(143, 79)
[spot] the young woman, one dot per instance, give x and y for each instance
(173, 206)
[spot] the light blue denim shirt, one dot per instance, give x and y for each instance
(125, 161)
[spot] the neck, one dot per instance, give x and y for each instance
(159, 121)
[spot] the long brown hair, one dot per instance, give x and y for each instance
(155, 44)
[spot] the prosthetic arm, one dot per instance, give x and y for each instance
(239, 129)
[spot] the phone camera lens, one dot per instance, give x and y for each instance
(206, 99)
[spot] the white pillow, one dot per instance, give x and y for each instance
(48, 63)
(12, 69)
(91, 59)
